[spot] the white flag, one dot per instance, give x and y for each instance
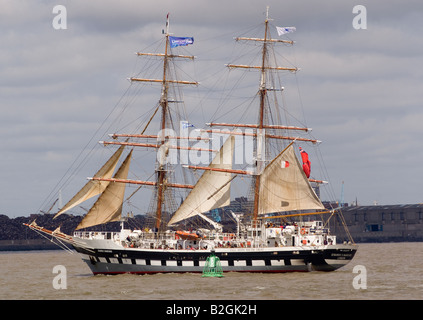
(283, 30)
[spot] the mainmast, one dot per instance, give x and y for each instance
(261, 126)
(262, 92)
(162, 146)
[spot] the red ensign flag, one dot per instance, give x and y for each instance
(306, 162)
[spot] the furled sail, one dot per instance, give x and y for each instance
(285, 187)
(212, 189)
(94, 187)
(108, 206)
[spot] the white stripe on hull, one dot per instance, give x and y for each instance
(109, 268)
(113, 261)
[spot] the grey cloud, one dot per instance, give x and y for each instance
(360, 89)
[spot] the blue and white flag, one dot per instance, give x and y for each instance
(283, 30)
(180, 41)
(186, 124)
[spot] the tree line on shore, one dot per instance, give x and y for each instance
(14, 228)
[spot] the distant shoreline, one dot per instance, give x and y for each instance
(27, 245)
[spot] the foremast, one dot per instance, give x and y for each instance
(162, 146)
(161, 170)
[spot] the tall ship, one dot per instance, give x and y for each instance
(286, 229)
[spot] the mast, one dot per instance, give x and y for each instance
(161, 172)
(162, 146)
(262, 125)
(260, 136)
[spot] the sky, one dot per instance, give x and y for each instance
(359, 89)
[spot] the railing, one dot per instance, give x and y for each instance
(154, 240)
(100, 235)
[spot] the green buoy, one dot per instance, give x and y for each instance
(212, 267)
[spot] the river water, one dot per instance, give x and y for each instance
(378, 271)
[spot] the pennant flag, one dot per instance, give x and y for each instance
(306, 162)
(283, 30)
(180, 41)
(167, 25)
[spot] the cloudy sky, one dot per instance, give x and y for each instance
(360, 90)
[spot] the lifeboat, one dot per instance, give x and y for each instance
(186, 235)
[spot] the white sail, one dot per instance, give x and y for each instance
(212, 189)
(285, 187)
(94, 187)
(108, 206)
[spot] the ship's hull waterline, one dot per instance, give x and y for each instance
(263, 260)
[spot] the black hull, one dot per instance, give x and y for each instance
(272, 260)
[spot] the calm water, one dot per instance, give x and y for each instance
(394, 271)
